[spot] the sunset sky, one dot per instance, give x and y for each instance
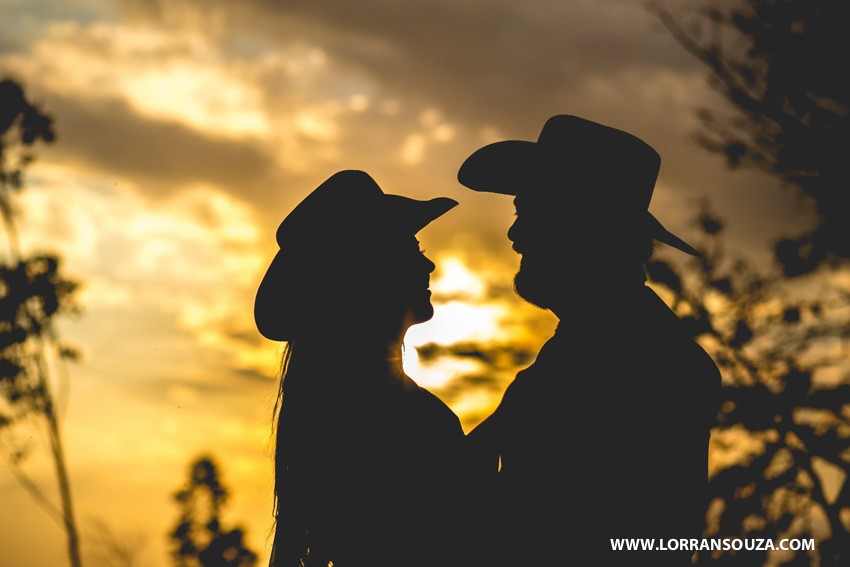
(187, 129)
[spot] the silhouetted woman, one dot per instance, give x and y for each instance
(368, 464)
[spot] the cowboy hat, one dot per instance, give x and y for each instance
(347, 204)
(570, 148)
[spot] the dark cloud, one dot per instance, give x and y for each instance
(488, 62)
(464, 384)
(251, 374)
(490, 354)
(499, 53)
(161, 156)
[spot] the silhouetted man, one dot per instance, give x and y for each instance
(606, 435)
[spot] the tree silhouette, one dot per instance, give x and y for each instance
(778, 62)
(199, 539)
(33, 293)
(784, 426)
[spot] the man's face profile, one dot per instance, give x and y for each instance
(536, 234)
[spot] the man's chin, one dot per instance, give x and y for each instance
(533, 290)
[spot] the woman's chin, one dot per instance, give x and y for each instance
(422, 313)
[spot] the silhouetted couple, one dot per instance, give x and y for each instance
(604, 436)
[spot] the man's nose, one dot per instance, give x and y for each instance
(514, 231)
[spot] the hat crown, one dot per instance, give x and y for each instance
(587, 149)
(333, 204)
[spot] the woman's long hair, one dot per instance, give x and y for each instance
(289, 544)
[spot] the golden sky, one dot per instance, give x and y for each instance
(186, 130)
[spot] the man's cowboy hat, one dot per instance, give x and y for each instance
(571, 150)
(346, 205)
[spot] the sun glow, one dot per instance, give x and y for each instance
(437, 374)
(458, 321)
(455, 278)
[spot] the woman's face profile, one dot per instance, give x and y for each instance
(377, 286)
(402, 280)
(420, 306)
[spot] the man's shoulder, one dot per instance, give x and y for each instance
(535, 378)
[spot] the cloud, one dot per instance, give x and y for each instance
(183, 268)
(164, 107)
(160, 158)
(482, 60)
(266, 99)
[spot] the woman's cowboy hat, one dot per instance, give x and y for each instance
(575, 151)
(346, 205)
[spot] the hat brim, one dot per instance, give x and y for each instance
(501, 167)
(661, 234)
(412, 215)
(268, 302)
